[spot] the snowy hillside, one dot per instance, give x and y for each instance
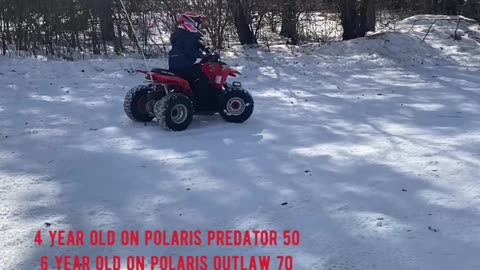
(370, 148)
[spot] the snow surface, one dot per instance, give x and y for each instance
(374, 144)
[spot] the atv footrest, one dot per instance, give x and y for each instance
(164, 71)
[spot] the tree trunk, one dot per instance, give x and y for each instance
(370, 13)
(451, 7)
(104, 11)
(95, 44)
(472, 9)
(349, 18)
(428, 6)
(357, 17)
(8, 35)
(4, 42)
(436, 7)
(118, 40)
(289, 20)
(245, 33)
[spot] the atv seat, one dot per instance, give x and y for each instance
(164, 71)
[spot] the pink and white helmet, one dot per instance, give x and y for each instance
(192, 17)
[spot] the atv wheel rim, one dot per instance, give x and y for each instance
(142, 105)
(236, 106)
(179, 114)
(149, 107)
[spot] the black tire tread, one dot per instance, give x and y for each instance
(162, 111)
(129, 104)
(245, 95)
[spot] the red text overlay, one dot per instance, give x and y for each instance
(164, 238)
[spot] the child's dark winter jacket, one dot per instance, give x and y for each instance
(187, 47)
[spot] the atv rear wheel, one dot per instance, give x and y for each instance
(135, 104)
(174, 112)
(238, 105)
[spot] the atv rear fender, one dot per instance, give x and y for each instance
(168, 81)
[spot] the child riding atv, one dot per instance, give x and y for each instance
(187, 47)
(188, 87)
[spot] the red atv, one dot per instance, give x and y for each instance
(170, 99)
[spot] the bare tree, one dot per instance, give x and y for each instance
(64, 27)
(358, 17)
(290, 20)
(241, 20)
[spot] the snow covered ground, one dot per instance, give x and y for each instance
(370, 148)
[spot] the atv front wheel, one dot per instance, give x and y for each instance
(238, 105)
(135, 104)
(174, 112)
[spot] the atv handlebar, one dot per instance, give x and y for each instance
(210, 56)
(209, 50)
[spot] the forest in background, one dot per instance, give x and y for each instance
(63, 28)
